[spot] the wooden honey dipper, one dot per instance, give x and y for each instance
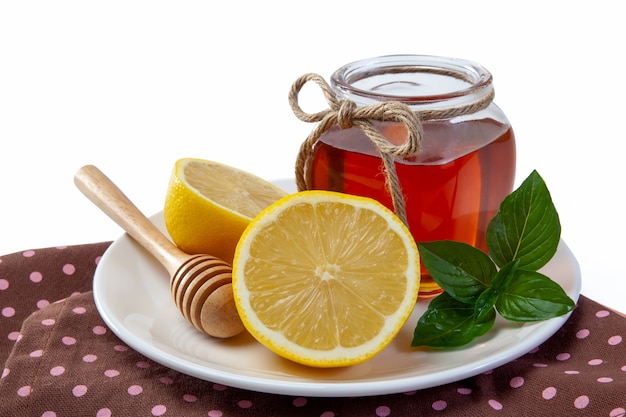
(200, 284)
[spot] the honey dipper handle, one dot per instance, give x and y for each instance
(98, 188)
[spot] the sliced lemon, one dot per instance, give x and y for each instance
(208, 205)
(326, 279)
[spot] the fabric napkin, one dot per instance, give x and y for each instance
(60, 359)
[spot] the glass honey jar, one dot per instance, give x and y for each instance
(465, 166)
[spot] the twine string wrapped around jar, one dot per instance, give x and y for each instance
(346, 114)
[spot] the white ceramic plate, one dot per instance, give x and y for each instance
(132, 295)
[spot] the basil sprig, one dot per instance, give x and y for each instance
(522, 237)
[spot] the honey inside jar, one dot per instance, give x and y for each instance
(453, 186)
(446, 197)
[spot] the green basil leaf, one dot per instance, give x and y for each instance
(487, 299)
(450, 323)
(485, 303)
(504, 276)
(463, 271)
(531, 296)
(527, 226)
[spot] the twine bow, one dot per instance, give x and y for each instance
(347, 114)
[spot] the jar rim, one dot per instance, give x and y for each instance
(469, 79)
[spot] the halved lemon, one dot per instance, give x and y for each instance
(326, 279)
(208, 205)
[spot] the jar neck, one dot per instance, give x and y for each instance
(435, 87)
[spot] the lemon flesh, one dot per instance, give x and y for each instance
(208, 205)
(326, 279)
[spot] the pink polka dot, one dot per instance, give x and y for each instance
(299, 402)
(89, 358)
(135, 389)
(219, 387)
(111, 373)
(615, 340)
(48, 322)
(142, 364)
(571, 372)
(383, 411)
(79, 390)
(120, 348)
(190, 398)
(5, 373)
(69, 269)
(548, 393)
(36, 276)
(595, 362)
(57, 370)
(464, 391)
(516, 382)
(68, 340)
(439, 405)
(8, 312)
(24, 391)
(327, 414)
(495, 404)
(563, 357)
(99, 330)
(28, 254)
(158, 410)
(617, 412)
(581, 402)
(602, 313)
(104, 412)
(36, 353)
(540, 365)
(581, 334)
(49, 414)
(624, 368)
(244, 404)
(605, 380)
(15, 336)
(97, 261)
(535, 350)
(4, 284)
(166, 380)
(215, 413)
(42, 304)
(79, 310)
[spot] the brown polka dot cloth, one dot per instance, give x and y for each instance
(61, 360)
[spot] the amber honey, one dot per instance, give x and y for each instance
(454, 184)
(452, 188)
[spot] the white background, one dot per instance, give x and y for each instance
(131, 86)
